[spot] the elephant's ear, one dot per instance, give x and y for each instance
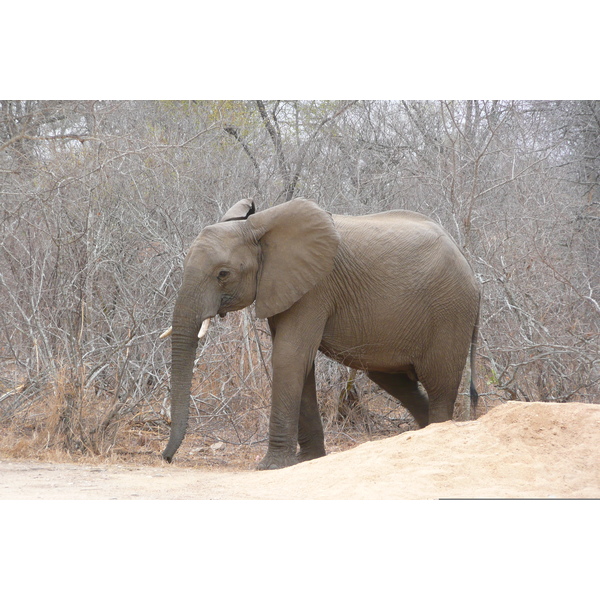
(298, 242)
(240, 211)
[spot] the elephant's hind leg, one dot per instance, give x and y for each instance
(310, 427)
(407, 391)
(442, 392)
(441, 375)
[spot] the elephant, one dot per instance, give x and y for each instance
(390, 294)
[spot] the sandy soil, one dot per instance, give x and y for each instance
(517, 450)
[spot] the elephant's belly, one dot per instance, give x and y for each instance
(369, 357)
(371, 344)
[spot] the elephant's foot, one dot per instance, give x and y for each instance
(310, 454)
(277, 461)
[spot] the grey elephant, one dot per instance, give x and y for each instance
(387, 293)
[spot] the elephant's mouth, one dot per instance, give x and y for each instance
(227, 304)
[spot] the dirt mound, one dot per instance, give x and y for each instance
(517, 450)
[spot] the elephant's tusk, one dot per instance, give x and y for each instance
(204, 328)
(201, 333)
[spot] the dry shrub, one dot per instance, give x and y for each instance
(71, 419)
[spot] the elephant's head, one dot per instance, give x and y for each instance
(272, 257)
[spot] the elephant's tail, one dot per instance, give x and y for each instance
(472, 389)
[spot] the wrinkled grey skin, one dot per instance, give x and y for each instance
(389, 293)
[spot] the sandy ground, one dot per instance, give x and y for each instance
(517, 450)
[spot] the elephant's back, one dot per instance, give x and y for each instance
(397, 231)
(411, 225)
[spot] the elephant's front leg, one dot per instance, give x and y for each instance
(292, 363)
(310, 427)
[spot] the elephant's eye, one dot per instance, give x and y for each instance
(223, 275)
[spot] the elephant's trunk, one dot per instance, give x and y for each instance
(184, 342)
